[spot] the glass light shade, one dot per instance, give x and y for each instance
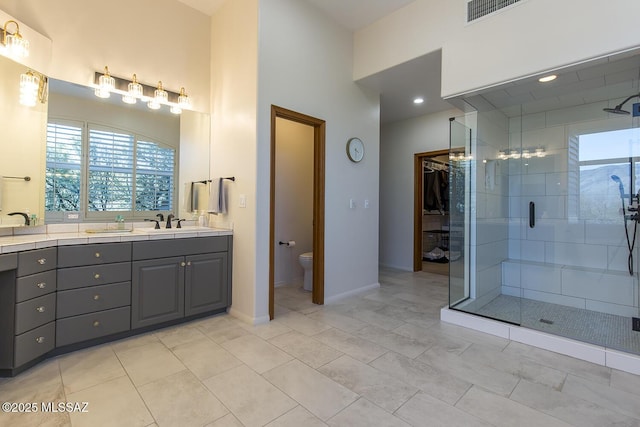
(153, 104)
(160, 95)
(526, 154)
(102, 93)
(183, 100)
(134, 88)
(29, 83)
(128, 99)
(17, 46)
(540, 152)
(175, 109)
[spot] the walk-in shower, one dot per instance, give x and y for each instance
(547, 211)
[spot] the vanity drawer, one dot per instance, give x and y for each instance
(80, 277)
(34, 343)
(35, 285)
(153, 249)
(93, 325)
(94, 298)
(35, 312)
(31, 262)
(8, 262)
(102, 253)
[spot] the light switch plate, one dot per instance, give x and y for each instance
(243, 200)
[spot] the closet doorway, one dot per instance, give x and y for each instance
(431, 212)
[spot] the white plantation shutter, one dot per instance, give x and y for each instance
(64, 164)
(154, 176)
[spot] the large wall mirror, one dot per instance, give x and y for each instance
(92, 159)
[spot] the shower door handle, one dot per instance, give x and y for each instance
(532, 214)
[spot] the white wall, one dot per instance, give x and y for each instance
(294, 199)
(156, 39)
(529, 38)
(234, 77)
(305, 64)
(399, 141)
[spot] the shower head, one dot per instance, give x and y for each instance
(618, 108)
(617, 179)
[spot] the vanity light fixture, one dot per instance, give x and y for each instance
(160, 96)
(29, 83)
(14, 44)
(106, 84)
(547, 79)
(134, 91)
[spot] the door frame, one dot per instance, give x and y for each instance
(319, 132)
(418, 192)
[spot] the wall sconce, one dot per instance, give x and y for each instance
(33, 88)
(526, 154)
(14, 44)
(132, 90)
(106, 84)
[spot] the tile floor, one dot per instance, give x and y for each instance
(379, 359)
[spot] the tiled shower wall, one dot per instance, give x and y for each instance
(565, 259)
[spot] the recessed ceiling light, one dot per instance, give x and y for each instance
(548, 78)
(418, 100)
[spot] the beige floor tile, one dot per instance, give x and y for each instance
(365, 414)
(148, 363)
(257, 353)
(301, 323)
(132, 342)
(490, 378)
(267, 331)
(297, 417)
(424, 411)
(228, 420)
(86, 368)
(356, 347)
(181, 400)
(251, 398)
(380, 388)
(374, 318)
(432, 338)
(521, 367)
(568, 408)
(502, 412)
(320, 395)
(114, 403)
(392, 341)
(205, 358)
(610, 398)
(470, 335)
(221, 328)
(435, 382)
(625, 381)
(564, 363)
(334, 318)
(176, 335)
(306, 349)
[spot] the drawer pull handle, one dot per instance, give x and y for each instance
(40, 309)
(40, 340)
(96, 297)
(96, 276)
(182, 264)
(188, 262)
(96, 324)
(42, 261)
(97, 254)
(41, 285)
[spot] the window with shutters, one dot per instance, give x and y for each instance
(100, 171)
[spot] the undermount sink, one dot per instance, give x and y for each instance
(173, 230)
(107, 230)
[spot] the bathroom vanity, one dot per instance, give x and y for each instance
(81, 291)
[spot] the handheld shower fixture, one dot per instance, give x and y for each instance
(618, 108)
(633, 200)
(617, 179)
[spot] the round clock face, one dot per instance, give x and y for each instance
(355, 149)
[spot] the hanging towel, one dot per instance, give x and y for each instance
(217, 197)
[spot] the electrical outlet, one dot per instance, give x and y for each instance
(635, 323)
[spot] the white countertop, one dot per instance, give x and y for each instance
(44, 239)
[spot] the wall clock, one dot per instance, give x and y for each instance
(355, 149)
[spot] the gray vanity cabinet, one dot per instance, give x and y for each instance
(179, 278)
(158, 291)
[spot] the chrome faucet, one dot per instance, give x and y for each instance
(169, 218)
(27, 221)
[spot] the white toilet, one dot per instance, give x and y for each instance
(306, 261)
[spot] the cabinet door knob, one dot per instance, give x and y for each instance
(97, 254)
(41, 285)
(40, 340)
(96, 297)
(96, 323)
(96, 276)
(40, 309)
(182, 264)
(42, 261)
(188, 262)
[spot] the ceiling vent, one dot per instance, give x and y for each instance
(479, 8)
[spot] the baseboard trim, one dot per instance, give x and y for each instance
(343, 295)
(248, 319)
(395, 267)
